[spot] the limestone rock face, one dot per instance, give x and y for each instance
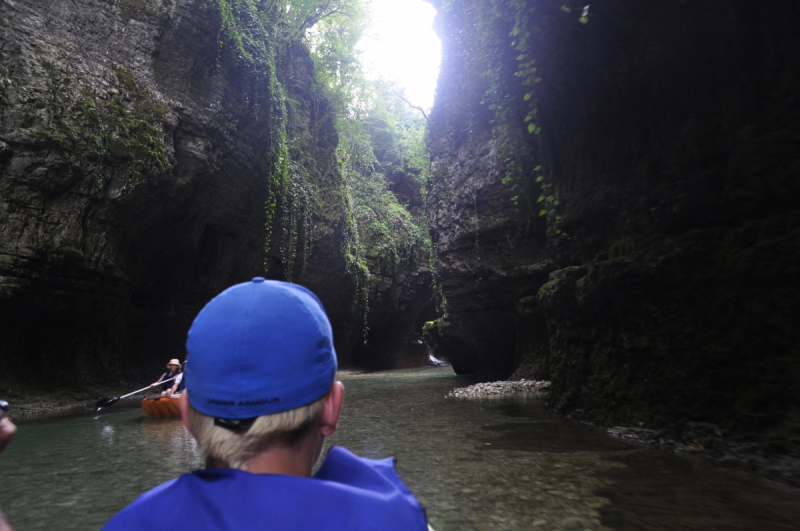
(486, 260)
(138, 148)
(662, 285)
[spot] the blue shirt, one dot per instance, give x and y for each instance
(348, 493)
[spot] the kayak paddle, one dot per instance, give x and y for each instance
(106, 402)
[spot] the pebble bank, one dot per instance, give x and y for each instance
(492, 389)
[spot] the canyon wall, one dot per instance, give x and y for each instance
(153, 153)
(614, 206)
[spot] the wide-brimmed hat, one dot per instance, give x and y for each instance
(174, 362)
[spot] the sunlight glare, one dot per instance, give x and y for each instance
(400, 45)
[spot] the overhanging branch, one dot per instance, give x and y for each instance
(420, 109)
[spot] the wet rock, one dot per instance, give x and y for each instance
(753, 456)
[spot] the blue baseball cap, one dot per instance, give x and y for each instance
(258, 348)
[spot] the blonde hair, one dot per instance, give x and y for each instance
(236, 449)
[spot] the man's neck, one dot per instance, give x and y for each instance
(290, 461)
(296, 460)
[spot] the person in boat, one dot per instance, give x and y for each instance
(260, 400)
(173, 369)
(179, 383)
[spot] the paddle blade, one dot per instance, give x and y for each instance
(107, 402)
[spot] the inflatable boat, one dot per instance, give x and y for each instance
(161, 406)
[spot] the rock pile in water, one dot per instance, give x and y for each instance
(491, 389)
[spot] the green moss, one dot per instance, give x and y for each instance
(125, 78)
(93, 131)
(431, 331)
(247, 56)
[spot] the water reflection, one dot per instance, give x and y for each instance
(509, 464)
(74, 473)
(493, 464)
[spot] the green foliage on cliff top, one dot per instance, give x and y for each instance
(381, 151)
(380, 141)
(383, 233)
(254, 37)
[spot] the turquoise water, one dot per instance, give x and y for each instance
(491, 464)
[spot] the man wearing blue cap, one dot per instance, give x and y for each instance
(260, 401)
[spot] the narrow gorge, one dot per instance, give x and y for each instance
(608, 199)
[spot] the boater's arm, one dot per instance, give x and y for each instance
(4, 525)
(176, 385)
(158, 381)
(7, 431)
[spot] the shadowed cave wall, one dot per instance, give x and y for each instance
(139, 142)
(662, 287)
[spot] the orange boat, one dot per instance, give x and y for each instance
(161, 406)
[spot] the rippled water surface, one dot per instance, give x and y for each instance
(491, 464)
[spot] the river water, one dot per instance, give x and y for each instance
(474, 464)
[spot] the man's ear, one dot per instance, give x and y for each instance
(329, 419)
(183, 405)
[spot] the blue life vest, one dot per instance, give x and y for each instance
(348, 493)
(182, 385)
(166, 386)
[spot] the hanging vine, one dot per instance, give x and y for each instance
(504, 34)
(377, 136)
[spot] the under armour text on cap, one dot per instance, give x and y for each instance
(258, 348)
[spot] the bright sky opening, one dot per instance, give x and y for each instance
(400, 45)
